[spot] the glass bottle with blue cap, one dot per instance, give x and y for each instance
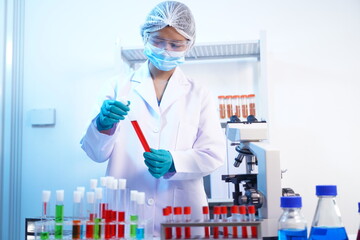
(292, 224)
(327, 223)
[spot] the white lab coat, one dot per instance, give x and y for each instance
(186, 124)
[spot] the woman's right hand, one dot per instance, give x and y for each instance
(111, 112)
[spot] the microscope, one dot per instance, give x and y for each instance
(261, 184)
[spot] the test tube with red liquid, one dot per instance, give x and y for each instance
(90, 196)
(187, 218)
(251, 101)
(178, 218)
(167, 219)
(224, 219)
(252, 210)
(217, 213)
(206, 218)
(234, 218)
(140, 135)
(222, 108)
(243, 218)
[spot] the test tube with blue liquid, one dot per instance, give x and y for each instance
(141, 223)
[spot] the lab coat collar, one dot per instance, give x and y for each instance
(176, 87)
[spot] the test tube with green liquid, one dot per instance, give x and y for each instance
(59, 214)
(44, 234)
(133, 213)
(98, 214)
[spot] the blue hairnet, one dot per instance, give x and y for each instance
(170, 13)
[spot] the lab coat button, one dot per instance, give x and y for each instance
(156, 130)
(150, 201)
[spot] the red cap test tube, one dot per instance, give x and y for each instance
(252, 210)
(140, 136)
(178, 218)
(224, 219)
(206, 219)
(187, 216)
(234, 218)
(168, 230)
(242, 210)
(217, 212)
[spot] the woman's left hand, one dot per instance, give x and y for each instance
(159, 162)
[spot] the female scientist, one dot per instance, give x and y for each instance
(176, 114)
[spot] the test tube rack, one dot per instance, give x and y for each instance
(212, 225)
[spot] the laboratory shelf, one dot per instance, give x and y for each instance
(205, 51)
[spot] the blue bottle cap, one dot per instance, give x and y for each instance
(291, 202)
(326, 190)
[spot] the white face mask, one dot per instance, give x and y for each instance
(162, 59)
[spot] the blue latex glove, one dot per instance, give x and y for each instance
(159, 162)
(111, 112)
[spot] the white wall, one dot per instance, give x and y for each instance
(313, 74)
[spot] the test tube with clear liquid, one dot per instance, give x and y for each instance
(121, 207)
